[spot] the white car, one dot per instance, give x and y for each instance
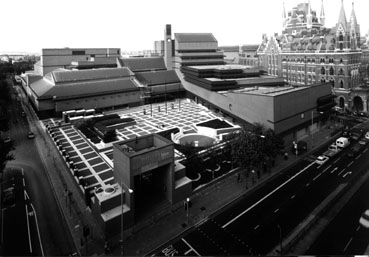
(364, 219)
(367, 135)
(320, 160)
(30, 135)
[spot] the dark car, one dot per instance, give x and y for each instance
(299, 147)
(354, 150)
(9, 196)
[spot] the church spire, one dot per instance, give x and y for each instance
(309, 17)
(322, 15)
(284, 17)
(342, 18)
(353, 20)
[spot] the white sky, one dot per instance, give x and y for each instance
(30, 25)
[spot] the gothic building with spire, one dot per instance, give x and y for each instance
(307, 53)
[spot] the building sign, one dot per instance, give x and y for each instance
(150, 160)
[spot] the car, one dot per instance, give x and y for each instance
(363, 141)
(367, 135)
(23, 114)
(320, 160)
(30, 135)
(355, 150)
(364, 219)
(7, 140)
(9, 196)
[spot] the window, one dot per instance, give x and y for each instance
(341, 46)
(341, 73)
(78, 52)
(341, 61)
(340, 37)
(331, 71)
(323, 71)
(341, 83)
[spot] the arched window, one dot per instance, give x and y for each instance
(332, 82)
(341, 83)
(323, 71)
(331, 71)
(322, 80)
(341, 72)
(340, 37)
(341, 61)
(341, 46)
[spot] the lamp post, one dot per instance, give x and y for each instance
(280, 240)
(187, 205)
(121, 220)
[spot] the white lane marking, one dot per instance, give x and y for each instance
(188, 252)
(262, 199)
(348, 243)
(336, 160)
(256, 227)
(365, 150)
(190, 246)
(334, 170)
(357, 157)
(350, 164)
(317, 176)
(29, 233)
(358, 227)
(276, 210)
(293, 196)
(38, 231)
(326, 168)
(347, 173)
(341, 171)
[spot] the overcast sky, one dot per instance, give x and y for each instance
(30, 25)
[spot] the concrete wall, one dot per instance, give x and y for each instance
(97, 102)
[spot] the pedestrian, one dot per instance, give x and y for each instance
(238, 178)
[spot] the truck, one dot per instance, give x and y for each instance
(342, 142)
(333, 149)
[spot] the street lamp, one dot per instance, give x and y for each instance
(280, 240)
(312, 124)
(187, 207)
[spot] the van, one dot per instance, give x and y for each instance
(342, 142)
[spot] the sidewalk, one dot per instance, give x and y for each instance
(206, 203)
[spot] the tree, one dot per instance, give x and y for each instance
(5, 153)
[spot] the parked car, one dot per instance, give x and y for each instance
(320, 160)
(23, 114)
(367, 135)
(364, 219)
(9, 196)
(7, 140)
(363, 141)
(354, 150)
(30, 135)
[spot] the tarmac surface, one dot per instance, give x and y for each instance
(154, 231)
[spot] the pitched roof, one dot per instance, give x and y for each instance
(44, 88)
(143, 63)
(63, 76)
(194, 37)
(342, 18)
(158, 77)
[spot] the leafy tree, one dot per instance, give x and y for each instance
(5, 153)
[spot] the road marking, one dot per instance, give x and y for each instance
(341, 171)
(350, 164)
(365, 150)
(256, 227)
(262, 199)
(358, 227)
(276, 210)
(29, 233)
(336, 160)
(347, 173)
(307, 184)
(317, 176)
(347, 244)
(357, 157)
(293, 196)
(334, 170)
(38, 231)
(326, 168)
(190, 246)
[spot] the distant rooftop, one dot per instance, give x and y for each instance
(194, 37)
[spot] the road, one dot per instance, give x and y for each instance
(54, 232)
(254, 225)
